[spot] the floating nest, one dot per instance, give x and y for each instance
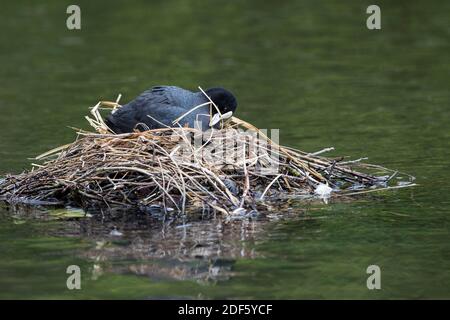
(234, 170)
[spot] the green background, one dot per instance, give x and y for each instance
(311, 69)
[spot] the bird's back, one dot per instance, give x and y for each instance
(159, 107)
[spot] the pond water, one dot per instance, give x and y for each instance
(311, 69)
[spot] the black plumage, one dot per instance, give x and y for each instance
(160, 106)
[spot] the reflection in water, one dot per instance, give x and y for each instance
(170, 248)
(310, 68)
(159, 245)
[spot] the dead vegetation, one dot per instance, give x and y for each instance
(232, 170)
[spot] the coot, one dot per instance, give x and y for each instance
(170, 106)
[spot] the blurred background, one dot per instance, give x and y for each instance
(311, 69)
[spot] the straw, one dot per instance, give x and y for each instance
(164, 167)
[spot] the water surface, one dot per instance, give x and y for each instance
(310, 68)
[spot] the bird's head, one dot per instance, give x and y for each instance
(223, 99)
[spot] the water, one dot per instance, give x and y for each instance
(310, 68)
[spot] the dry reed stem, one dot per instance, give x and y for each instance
(163, 166)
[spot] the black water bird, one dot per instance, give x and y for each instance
(170, 106)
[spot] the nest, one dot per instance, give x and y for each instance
(232, 170)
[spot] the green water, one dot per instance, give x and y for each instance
(310, 68)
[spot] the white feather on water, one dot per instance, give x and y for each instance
(115, 233)
(323, 191)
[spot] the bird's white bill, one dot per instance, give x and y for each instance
(214, 119)
(217, 117)
(227, 115)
